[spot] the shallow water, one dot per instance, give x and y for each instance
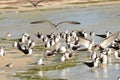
(96, 18)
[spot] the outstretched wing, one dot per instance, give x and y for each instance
(39, 2)
(31, 2)
(109, 40)
(44, 21)
(34, 3)
(70, 22)
(84, 41)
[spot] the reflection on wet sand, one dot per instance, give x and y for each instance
(95, 70)
(40, 73)
(105, 72)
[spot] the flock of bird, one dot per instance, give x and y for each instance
(67, 43)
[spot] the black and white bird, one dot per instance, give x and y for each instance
(92, 34)
(104, 35)
(66, 56)
(24, 49)
(82, 34)
(105, 43)
(39, 35)
(104, 58)
(10, 65)
(55, 25)
(93, 64)
(49, 52)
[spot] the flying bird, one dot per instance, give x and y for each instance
(91, 46)
(35, 4)
(55, 25)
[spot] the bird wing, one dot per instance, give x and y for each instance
(43, 21)
(39, 2)
(84, 41)
(70, 22)
(37, 22)
(31, 2)
(101, 35)
(110, 39)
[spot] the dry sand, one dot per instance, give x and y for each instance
(53, 5)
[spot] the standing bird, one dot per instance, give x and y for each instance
(92, 34)
(92, 64)
(55, 25)
(81, 34)
(35, 4)
(104, 35)
(10, 65)
(2, 53)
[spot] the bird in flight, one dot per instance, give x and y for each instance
(88, 43)
(35, 4)
(55, 25)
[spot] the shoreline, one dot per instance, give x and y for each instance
(54, 5)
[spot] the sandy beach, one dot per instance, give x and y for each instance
(20, 61)
(26, 6)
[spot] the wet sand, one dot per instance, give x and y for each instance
(19, 61)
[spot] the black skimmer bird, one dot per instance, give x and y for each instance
(10, 65)
(31, 44)
(91, 46)
(2, 53)
(39, 35)
(35, 4)
(81, 34)
(104, 35)
(73, 47)
(115, 44)
(55, 25)
(24, 49)
(93, 64)
(66, 56)
(28, 51)
(104, 58)
(92, 34)
(47, 44)
(49, 52)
